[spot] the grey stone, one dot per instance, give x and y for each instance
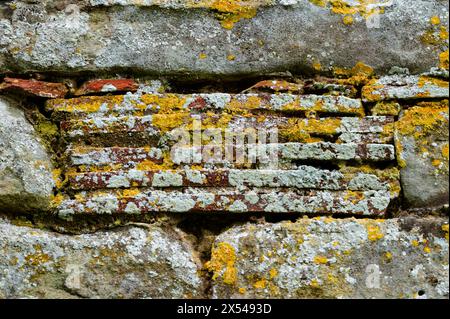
(194, 38)
(422, 147)
(131, 262)
(333, 258)
(26, 180)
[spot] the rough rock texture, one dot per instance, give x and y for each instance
(332, 258)
(26, 180)
(131, 262)
(422, 146)
(217, 37)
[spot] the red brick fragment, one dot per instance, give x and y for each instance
(107, 85)
(34, 87)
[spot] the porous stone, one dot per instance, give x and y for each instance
(214, 37)
(131, 262)
(26, 180)
(332, 258)
(421, 136)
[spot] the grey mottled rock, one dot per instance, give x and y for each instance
(26, 180)
(132, 262)
(422, 145)
(211, 37)
(333, 258)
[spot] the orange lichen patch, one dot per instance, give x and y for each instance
(57, 200)
(445, 151)
(365, 8)
(131, 192)
(443, 59)
(320, 259)
(231, 11)
(358, 75)
(222, 263)
(273, 273)
(242, 290)
(167, 103)
(436, 163)
(374, 232)
(260, 284)
(435, 20)
(426, 80)
(300, 130)
(84, 104)
(168, 122)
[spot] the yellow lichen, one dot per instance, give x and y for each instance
(320, 259)
(419, 122)
(57, 177)
(374, 232)
(443, 60)
(445, 229)
(202, 56)
(364, 8)
(445, 151)
(273, 273)
(435, 20)
(231, 11)
(309, 131)
(388, 255)
(231, 57)
(260, 284)
(222, 263)
(358, 75)
(347, 20)
(386, 108)
(168, 122)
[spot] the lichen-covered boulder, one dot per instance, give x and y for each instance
(207, 38)
(132, 262)
(26, 179)
(422, 138)
(333, 258)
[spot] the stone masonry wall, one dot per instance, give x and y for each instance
(344, 195)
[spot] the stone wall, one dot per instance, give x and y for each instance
(344, 195)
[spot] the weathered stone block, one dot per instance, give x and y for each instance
(227, 38)
(133, 262)
(333, 258)
(399, 87)
(422, 149)
(26, 179)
